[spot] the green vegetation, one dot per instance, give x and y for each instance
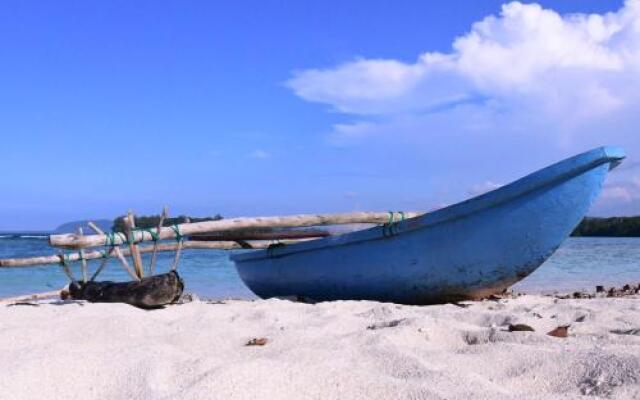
(151, 221)
(615, 226)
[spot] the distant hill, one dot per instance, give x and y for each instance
(614, 226)
(72, 227)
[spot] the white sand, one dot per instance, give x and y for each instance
(323, 351)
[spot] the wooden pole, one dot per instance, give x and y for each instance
(129, 224)
(65, 267)
(102, 265)
(104, 262)
(95, 228)
(125, 264)
(186, 245)
(176, 257)
(154, 253)
(114, 250)
(83, 262)
(225, 225)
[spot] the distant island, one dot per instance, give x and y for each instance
(608, 227)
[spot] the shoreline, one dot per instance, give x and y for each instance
(622, 290)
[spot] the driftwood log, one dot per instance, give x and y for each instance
(72, 241)
(150, 292)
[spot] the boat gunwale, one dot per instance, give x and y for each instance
(545, 177)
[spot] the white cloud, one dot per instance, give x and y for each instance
(522, 88)
(566, 69)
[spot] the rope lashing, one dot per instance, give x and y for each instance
(176, 229)
(131, 238)
(153, 233)
(391, 217)
(388, 228)
(179, 237)
(110, 239)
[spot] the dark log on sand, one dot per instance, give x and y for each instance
(72, 241)
(151, 292)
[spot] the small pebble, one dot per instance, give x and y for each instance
(560, 332)
(257, 342)
(520, 328)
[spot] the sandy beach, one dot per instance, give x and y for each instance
(333, 350)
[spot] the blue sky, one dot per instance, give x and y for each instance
(252, 108)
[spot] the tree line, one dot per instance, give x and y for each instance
(615, 226)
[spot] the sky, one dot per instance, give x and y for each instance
(272, 107)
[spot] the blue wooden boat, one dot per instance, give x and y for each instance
(467, 251)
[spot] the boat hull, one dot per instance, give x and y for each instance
(467, 251)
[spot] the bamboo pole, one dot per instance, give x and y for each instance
(186, 245)
(233, 224)
(154, 253)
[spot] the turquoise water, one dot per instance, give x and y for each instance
(580, 264)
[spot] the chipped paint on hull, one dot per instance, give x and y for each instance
(467, 251)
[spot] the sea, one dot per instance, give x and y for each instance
(579, 264)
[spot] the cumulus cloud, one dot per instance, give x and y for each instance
(526, 58)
